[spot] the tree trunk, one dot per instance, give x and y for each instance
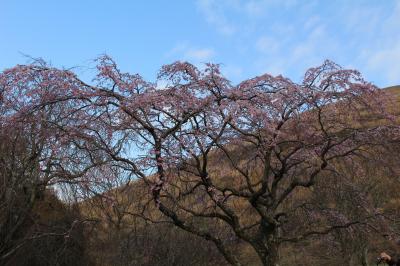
(268, 253)
(364, 256)
(272, 258)
(266, 244)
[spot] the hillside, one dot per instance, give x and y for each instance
(395, 92)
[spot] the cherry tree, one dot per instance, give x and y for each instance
(227, 163)
(236, 157)
(38, 147)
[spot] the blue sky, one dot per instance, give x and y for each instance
(247, 37)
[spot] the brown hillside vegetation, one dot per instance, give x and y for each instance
(394, 91)
(132, 231)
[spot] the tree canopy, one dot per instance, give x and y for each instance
(221, 161)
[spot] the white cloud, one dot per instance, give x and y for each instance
(288, 55)
(364, 20)
(256, 8)
(383, 56)
(312, 22)
(184, 51)
(288, 36)
(315, 42)
(267, 45)
(214, 14)
(202, 54)
(387, 62)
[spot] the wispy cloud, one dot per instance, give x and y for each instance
(285, 54)
(267, 45)
(288, 36)
(201, 54)
(387, 62)
(256, 8)
(193, 54)
(214, 13)
(381, 50)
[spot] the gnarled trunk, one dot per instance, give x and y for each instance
(268, 253)
(364, 256)
(266, 245)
